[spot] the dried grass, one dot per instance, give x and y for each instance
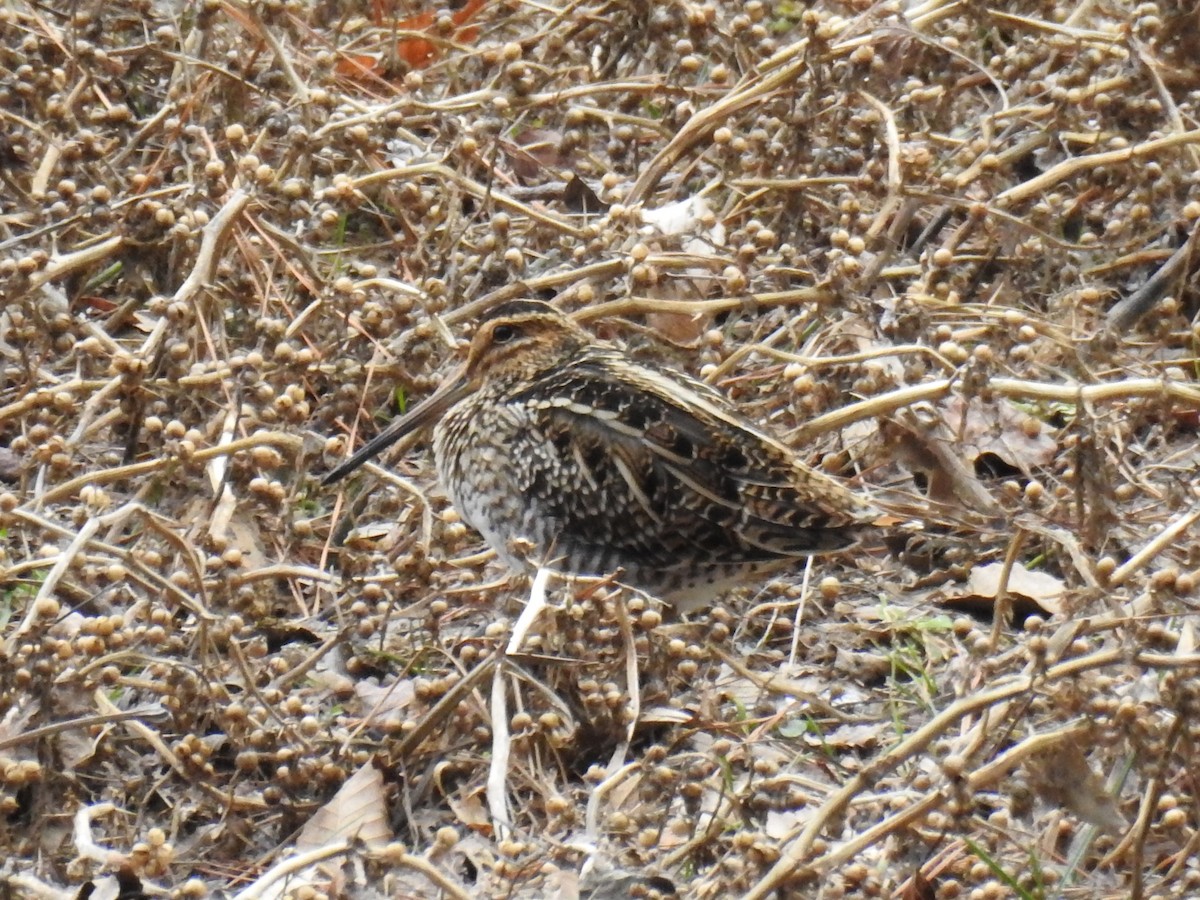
(230, 235)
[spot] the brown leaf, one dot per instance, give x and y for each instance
(1062, 777)
(383, 703)
(578, 197)
(357, 811)
(532, 152)
(1000, 428)
(984, 608)
(470, 810)
(1030, 593)
(923, 443)
(919, 888)
(681, 329)
(10, 465)
(857, 736)
(1043, 589)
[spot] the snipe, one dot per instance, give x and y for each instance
(560, 441)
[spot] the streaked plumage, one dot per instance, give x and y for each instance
(560, 440)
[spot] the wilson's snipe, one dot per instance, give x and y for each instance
(602, 464)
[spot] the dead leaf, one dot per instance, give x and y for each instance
(680, 329)
(984, 608)
(562, 884)
(414, 51)
(852, 736)
(1042, 588)
(10, 465)
(1045, 589)
(384, 703)
(16, 720)
(605, 879)
(919, 888)
(688, 216)
(1187, 639)
(578, 197)
(1000, 428)
(357, 810)
(1030, 593)
(76, 747)
(691, 226)
(246, 536)
(783, 823)
(471, 810)
(920, 441)
(1062, 777)
(666, 715)
(533, 152)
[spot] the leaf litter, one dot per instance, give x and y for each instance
(943, 248)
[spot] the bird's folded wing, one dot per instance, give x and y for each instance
(681, 466)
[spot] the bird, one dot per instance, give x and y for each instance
(562, 451)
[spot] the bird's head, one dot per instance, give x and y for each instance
(515, 342)
(519, 340)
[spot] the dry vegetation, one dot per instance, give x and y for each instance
(234, 237)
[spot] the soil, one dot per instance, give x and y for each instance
(944, 249)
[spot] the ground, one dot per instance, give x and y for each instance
(943, 249)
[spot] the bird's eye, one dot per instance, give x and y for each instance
(502, 334)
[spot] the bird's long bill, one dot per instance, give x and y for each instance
(425, 413)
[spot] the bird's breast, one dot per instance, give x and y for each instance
(476, 448)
